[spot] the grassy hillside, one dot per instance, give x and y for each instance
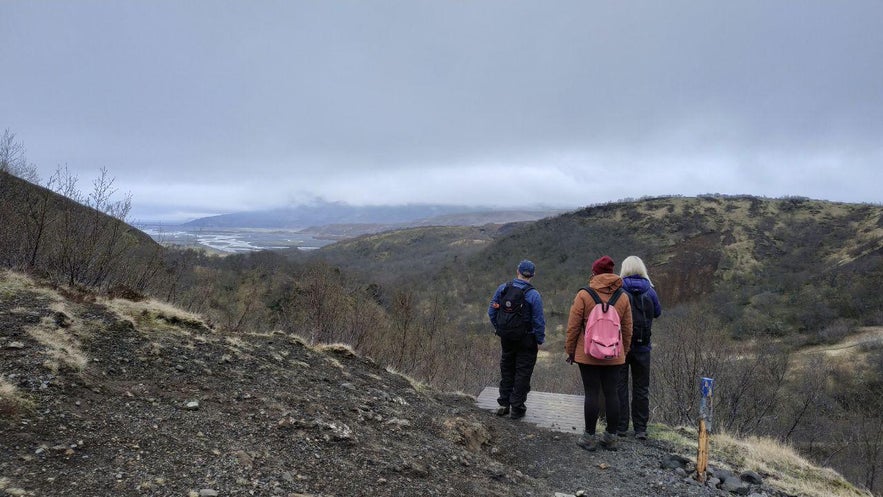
(790, 259)
(406, 254)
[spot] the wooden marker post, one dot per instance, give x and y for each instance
(705, 416)
(702, 456)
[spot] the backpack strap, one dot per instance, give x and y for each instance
(597, 299)
(511, 283)
(528, 287)
(615, 296)
(592, 294)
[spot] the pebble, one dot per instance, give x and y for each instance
(692, 481)
(735, 485)
(15, 345)
(193, 405)
(752, 477)
(400, 423)
(208, 492)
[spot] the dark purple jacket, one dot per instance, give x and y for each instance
(637, 284)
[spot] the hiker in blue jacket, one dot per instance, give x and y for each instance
(645, 308)
(516, 312)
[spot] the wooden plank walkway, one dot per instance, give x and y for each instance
(556, 411)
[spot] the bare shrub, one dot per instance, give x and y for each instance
(832, 333)
(749, 379)
(689, 344)
(13, 159)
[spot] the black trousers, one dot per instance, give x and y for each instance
(602, 378)
(638, 363)
(518, 358)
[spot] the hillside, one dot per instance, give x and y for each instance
(53, 235)
(401, 254)
(117, 397)
(747, 284)
(793, 253)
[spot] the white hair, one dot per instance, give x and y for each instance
(633, 265)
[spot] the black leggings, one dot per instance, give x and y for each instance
(605, 377)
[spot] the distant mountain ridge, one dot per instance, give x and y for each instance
(338, 213)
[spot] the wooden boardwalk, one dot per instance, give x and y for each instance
(556, 411)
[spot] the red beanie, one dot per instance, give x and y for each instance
(603, 265)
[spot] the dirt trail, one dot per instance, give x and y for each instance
(869, 336)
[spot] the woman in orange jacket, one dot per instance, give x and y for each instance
(599, 374)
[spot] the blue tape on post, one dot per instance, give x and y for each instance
(707, 387)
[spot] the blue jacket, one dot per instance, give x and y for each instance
(533, 299)
(635, 283)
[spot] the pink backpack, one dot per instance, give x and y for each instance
(603, 335)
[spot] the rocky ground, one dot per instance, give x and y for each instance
(124, 398)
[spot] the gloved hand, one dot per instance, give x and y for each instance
(570, 359)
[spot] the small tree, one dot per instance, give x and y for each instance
(13, 160)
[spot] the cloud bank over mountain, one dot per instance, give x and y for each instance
(201, 108)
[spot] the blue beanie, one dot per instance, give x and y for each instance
(526, 268)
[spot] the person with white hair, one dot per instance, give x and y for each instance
(645, 308)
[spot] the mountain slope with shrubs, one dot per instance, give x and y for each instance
(755, 291)
(800, 264)
(747, 285)
(111, 396)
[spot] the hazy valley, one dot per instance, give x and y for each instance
(325, 223)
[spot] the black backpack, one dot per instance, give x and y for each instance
(514, 314)
(642, 316)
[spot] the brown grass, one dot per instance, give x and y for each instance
(62, 348)
(416, 384)
(786, 469)
(12, 403)
(853, 352)
(155, 315)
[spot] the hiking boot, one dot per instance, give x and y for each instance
(641, 435)
(622, 434)
(517, 413)
(503, 410)
(609, 441)
(588, 441)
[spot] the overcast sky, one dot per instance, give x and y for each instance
(203, 107)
